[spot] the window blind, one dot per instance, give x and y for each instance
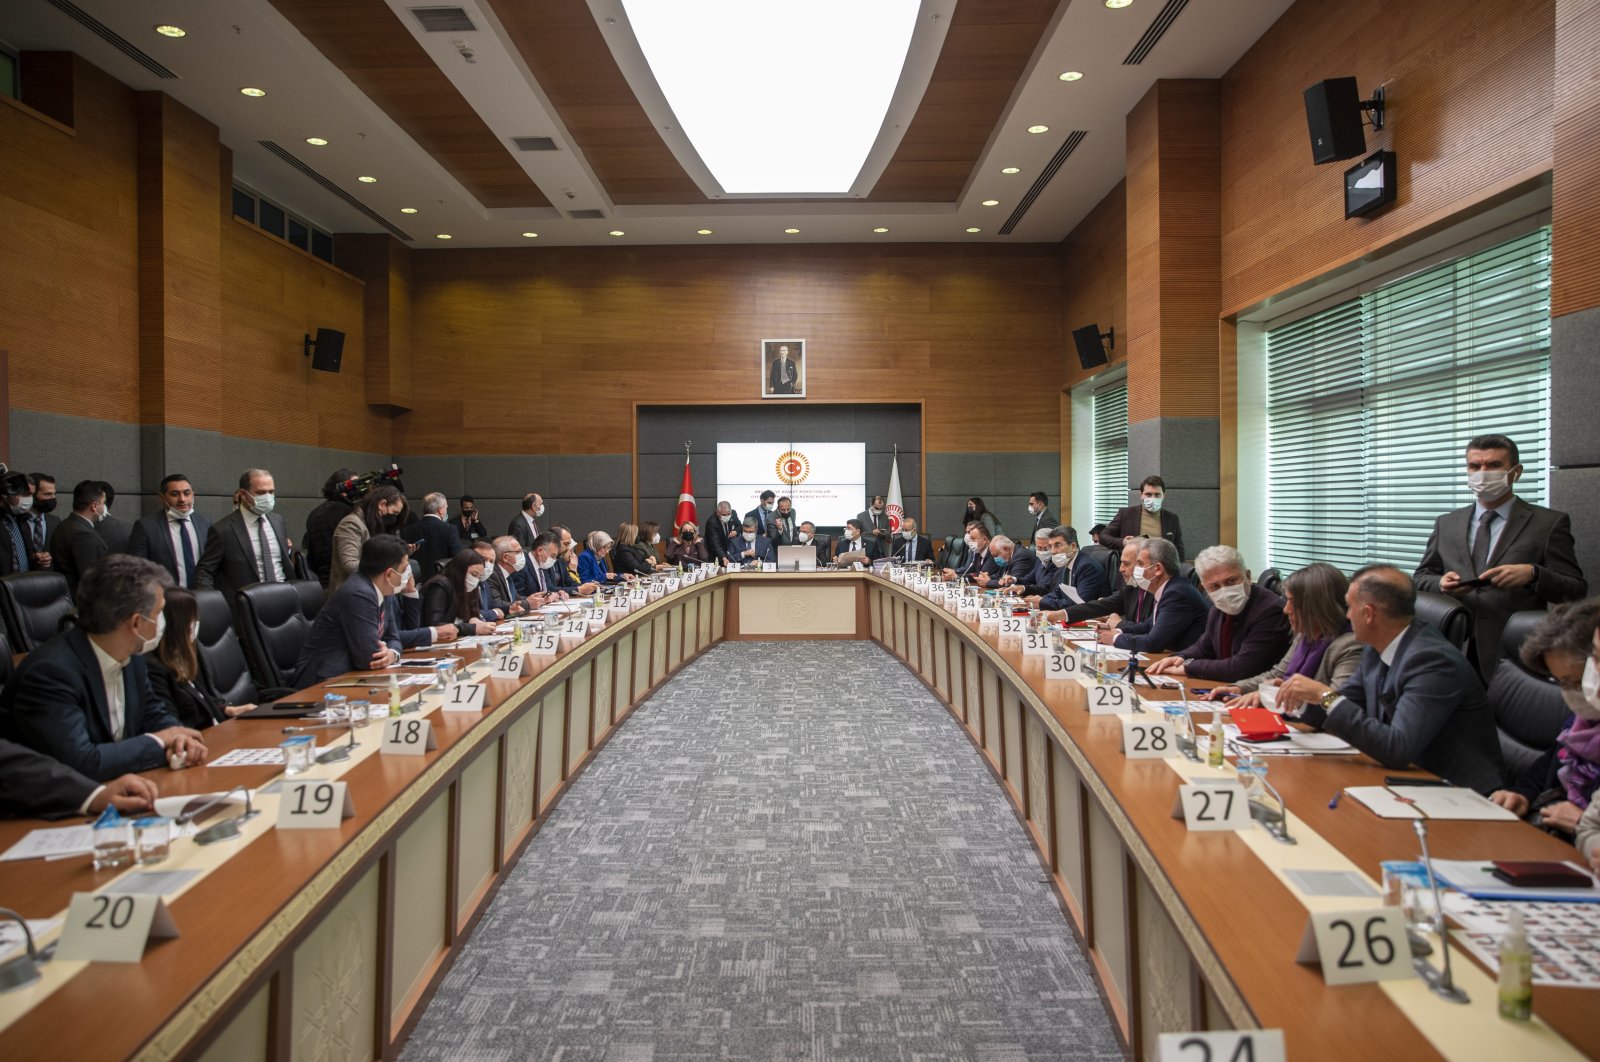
(1370, 404)
(1110, 451)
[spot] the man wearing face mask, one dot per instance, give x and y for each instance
(1246, 632)
(176, 537)
(1004, 567)
(853, 546)
(1178, 616)
(722, 529)
(249, 545)
(977, 554)
(435, 534)
(357, 628)
(1500, 554)
(75, 546)
(1043, 576)
(84, 697)
(1149, 518)
(468, 527)
(543, 573)
(113, 529)
(752, 547)
(42, 521)
(510, 584)
(875, 524)
(525, 525)
(910, 546)
(784, 527)
(1130, 602)
(1553, 791)
(1079, 573)
(15, 556)
(762, 513)
(1039, 514)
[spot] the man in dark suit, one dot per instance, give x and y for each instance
(785, 525)
(41, 522)
(1131, 601)
(248, 545)
(1043, 576)
(75, 546)
(1007, 565)
(854, 545)
(114, 530)
(84, 696)
(976, 556)
(722, 528)
(468, 527)
(1039, 515)
(509, 583)
(1514, 555)
(875, 525)
(910, 546)
(1179, 615)
(34, 785)
(176, 538)
(752, 546)
(762, 514)
(1246, 633)
(435, 534)
(1078, 571)
(783, 374)
(357, 630)
(1413, 698)
(1148, 519)
(525, 525)
(15, 554)
(318, 540)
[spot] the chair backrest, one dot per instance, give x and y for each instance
(1113, 565)
(34, 604)
(1272, 580)
(1529, 712)
(221, 656)
(7, 668)
(312, 595)
(1187, 571)
(1518, 626)
(1447, 616)
(274, 630)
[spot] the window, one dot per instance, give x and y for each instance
(1370, 404)
(274, 219)
(1110, 451)
(244, 205)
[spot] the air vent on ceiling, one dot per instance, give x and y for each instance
(534, 143)
(105, 33)
(1158, 28)
(443, 19)
(1057, 160)
(327, 185)
(586, 213)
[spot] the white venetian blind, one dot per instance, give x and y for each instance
(1110, 451)
(1370, 405)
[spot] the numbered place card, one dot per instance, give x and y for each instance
(1355, 947)
(1036, 643)
(989, 618)
(1061, 665)
(672, 585)
(410, 736)
(966, 610)
(1205, 807)
(313, 804)
(769, 566)
(1011, 626)
(465, 697)
(1147, 739)
(1111, 698)
(113, 928)
(507, 666)
(638, 598)
(543, 643)
(1234, 1045)
(574, 627)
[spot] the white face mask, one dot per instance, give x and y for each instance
(969, 541)
(1139, 578)
(261, 503)
(1579, 705)
(24, 504)
(520, 563)
(539, 511)
(749, 536)
(472, 582)
(194, 631)
(803, 537)
(1152, 505)
(1061, 560)
(655, 539)
(1231, 599)
(1490, 486)
(908, 535)
(155, 639)
(1591, 684)
(547, 564)
(851, 533)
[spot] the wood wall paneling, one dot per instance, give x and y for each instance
(385, 267)
(1094, 280)
(1575, 233)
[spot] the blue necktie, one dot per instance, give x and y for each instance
(188, 552)
(18, 550)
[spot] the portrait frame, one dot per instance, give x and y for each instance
(767, 359)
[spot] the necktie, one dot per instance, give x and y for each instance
(37, 523)
(383, 615)
(1480, 545)
(188, 552)
(268, 572)
(18, 550)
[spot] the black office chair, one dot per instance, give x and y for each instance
(34, 604)
(1271, 580)
(1529, 710)
(1187, 571)
(221, 655)
(274, 630)
(1113, 566)
(7, 668)
(1447, 616)
(312, 596)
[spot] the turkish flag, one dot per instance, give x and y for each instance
(686, 512)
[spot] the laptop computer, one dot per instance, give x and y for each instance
(797, 558)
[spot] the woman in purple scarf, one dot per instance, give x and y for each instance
(1323, 647)
(1556, 788)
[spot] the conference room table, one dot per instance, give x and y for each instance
(327, 943)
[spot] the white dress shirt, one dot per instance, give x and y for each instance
(116, 696)
(533, 528)
(251, 521)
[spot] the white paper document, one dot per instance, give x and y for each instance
(1428, 802)
(272, 757)
(55, 841)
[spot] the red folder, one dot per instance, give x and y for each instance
(1258, 724)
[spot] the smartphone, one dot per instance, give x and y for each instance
(1473, 584)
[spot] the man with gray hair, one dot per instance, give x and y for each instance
(84, 697)
(435, 535)
(1246, 633)
(1006, 565)
(1179, 615)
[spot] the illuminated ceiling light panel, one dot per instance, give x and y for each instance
(777, 98)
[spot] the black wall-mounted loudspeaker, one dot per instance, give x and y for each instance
(1091, 351)
(327, 350)
(1333, 114)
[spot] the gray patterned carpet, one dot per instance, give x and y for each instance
(822, 871)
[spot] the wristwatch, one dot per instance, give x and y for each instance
(1328, 700)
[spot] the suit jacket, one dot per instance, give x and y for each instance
(519, 529)
(591, 569)
(719, 536)
(195, 703)
(27, 524)
(1130, 602)
(1086, 577)
(632, 560)
(783, 377)
(1042, 577)
(1045, 518)
(791, 527)
(974, 562)
(876, 527)
(1179, 619)
(349, 535)
(1339, 662)
(1532, 535)
(10, 561)
(866, 545)
(33, 784)
(56, 703)
(151, 538)
(439, 605)
(1126, 524)
(403, 614)
(318, 542)
(763, 521)
(344, 635)
(502, 591)
(439, 542)
(115, 532)
(921, 551)
(468, 533)
(690, 553)
(74, 547)
(1259, 637)
(229, 560)
(764, 550)
(1427, 708)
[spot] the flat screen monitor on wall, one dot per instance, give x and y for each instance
(826, 481)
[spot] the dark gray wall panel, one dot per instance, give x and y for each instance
(1575, 391)
(1576, 491)
(77, 448)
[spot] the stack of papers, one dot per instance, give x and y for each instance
(51, 843)
(1475, 878)
(1294, 743)
(1564, 937)
(1429, 802)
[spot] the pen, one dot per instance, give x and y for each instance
(1335, 801)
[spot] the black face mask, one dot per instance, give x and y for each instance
(469, 515)
(46, 506)
(392, 520)
(687, 536)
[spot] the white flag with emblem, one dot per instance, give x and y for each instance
(896, 504)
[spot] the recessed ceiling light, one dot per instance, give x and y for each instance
(792, 232)
(1038, 128)
(1114, 4)
(408, 210)
(367, 180)
(991, 202)
(1072, 75)
(702, 232)
(444, 236)
(617, 232)
(253, 93)
(1011, 169)
(880, 229)
(316, 141)
(974, 228)
(172, 31)
(531, 235)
